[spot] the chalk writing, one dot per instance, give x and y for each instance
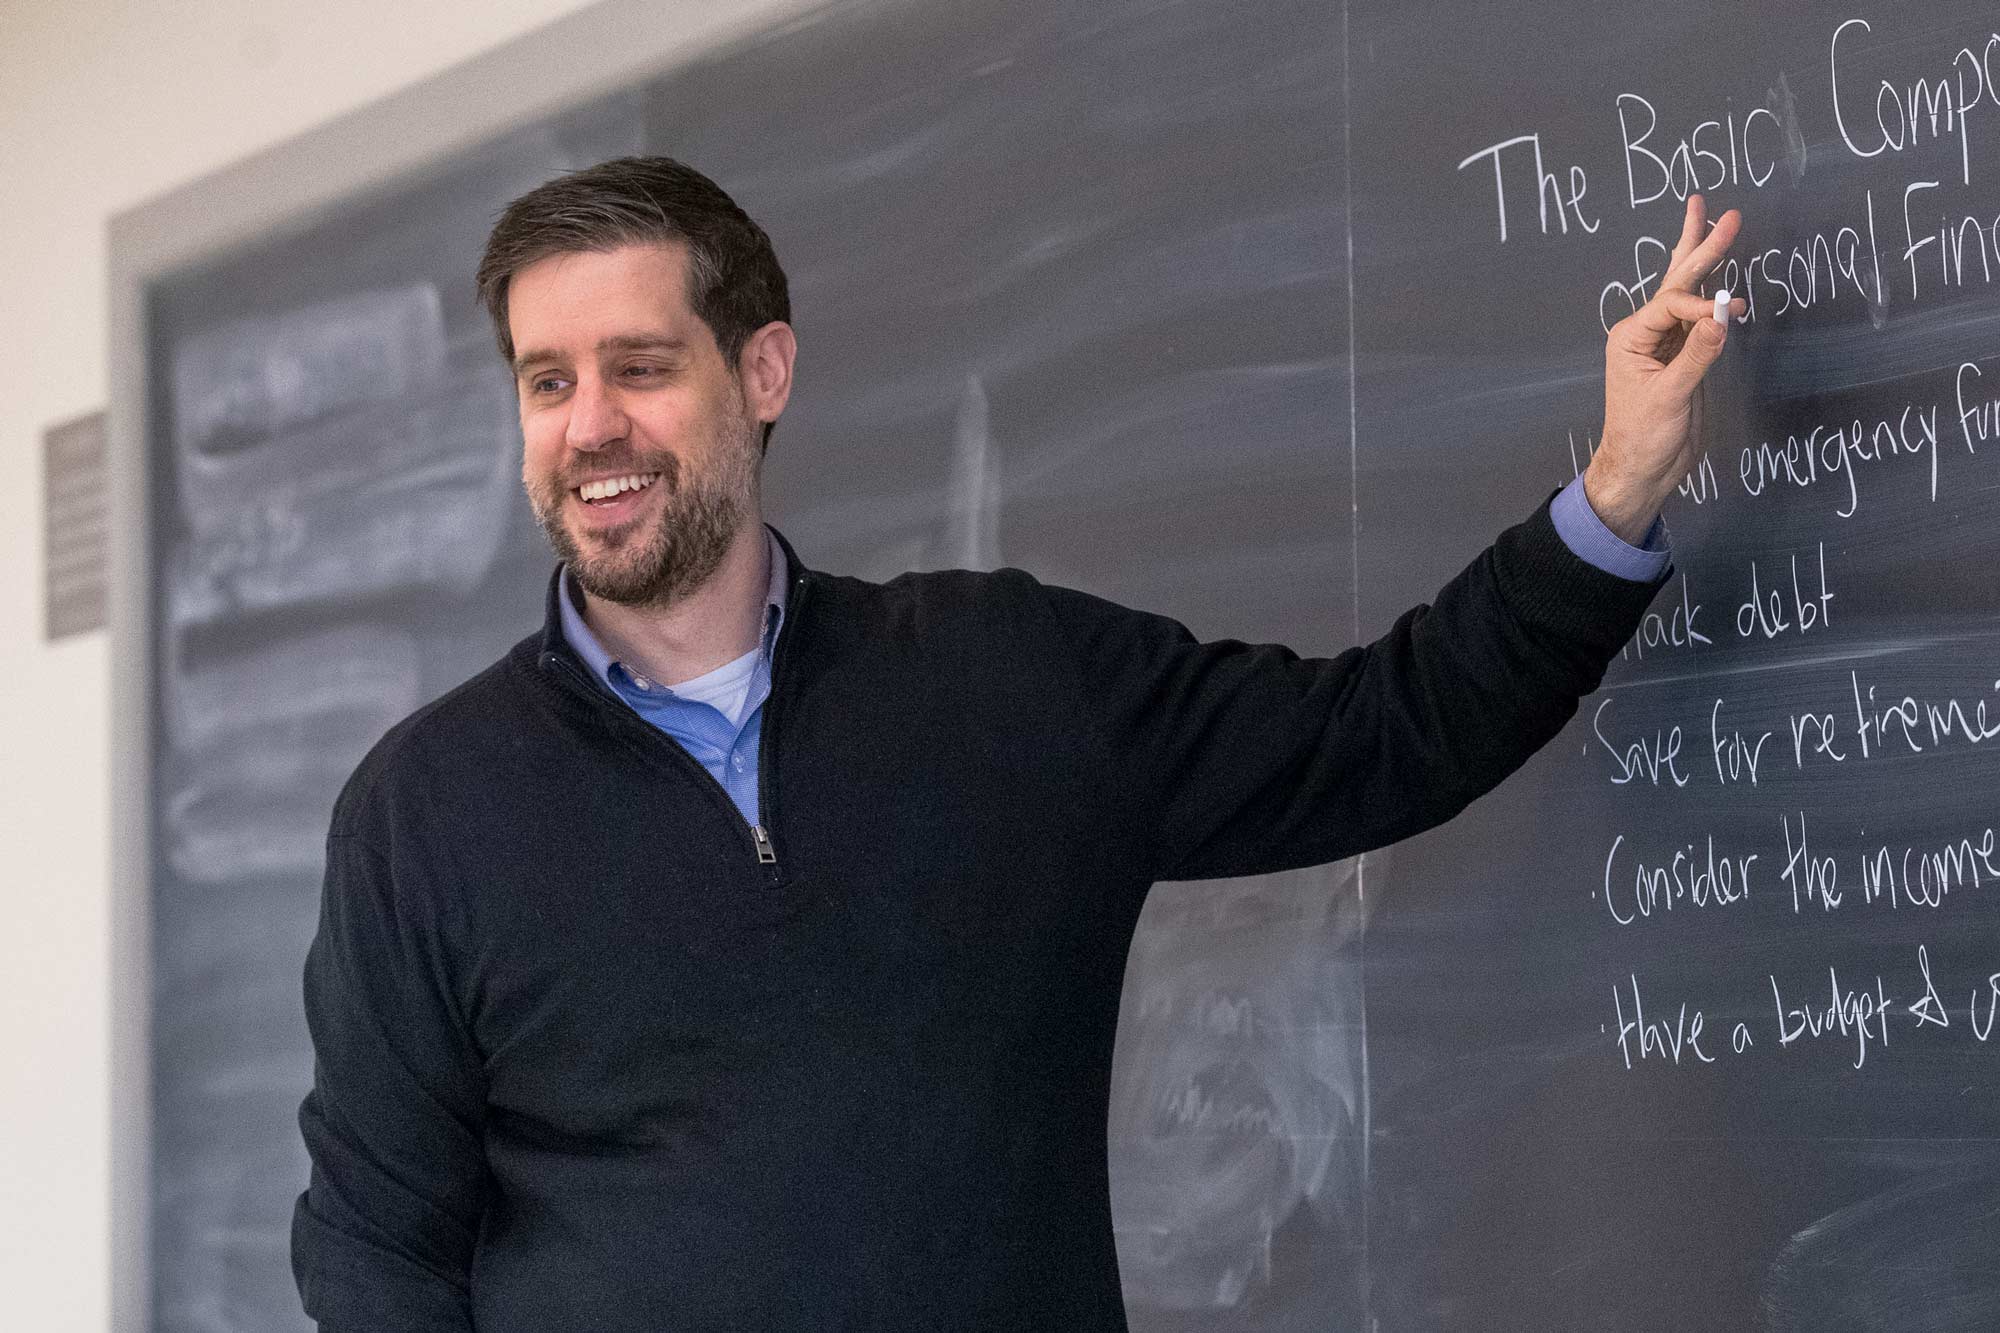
(1991, 993)
(1736, 759)
(1928, 1008)
(1925, 877)
(1675, 629)
(1875, 816)
(1931, 108)
(1689, 879)
(1645, 757)
(1548, 187)
(1857, 1014)
(1771, 614)
(1832, 450)
(1693, 162)
(1656, 1039)
(1812, 879)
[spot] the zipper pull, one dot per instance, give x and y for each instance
(766, 855)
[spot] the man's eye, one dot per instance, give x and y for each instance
(547, 384)
(640, 372)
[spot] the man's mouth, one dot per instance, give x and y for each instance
(613, 495)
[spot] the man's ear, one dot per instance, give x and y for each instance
(765, 370)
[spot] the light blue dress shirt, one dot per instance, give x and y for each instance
(1585, 534)
(719, 718)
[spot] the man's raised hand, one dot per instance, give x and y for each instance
(1654, 362)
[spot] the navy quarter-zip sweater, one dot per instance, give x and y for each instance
(592, 1056)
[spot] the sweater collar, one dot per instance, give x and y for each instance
(555, 643)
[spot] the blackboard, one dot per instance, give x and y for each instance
(1542, 1153)
(1209, 309)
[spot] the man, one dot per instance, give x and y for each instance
(743, 950)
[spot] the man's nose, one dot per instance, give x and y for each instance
(595, 418)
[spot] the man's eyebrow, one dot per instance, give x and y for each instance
(622, 342)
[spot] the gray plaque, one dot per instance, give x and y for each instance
(74, 501)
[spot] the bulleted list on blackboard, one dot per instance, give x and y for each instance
(1799, 851)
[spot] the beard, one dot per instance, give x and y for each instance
(654, 562)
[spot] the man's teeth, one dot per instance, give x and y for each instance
(604, 490)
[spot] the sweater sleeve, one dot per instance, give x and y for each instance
(383, 1237)
(1231, 759)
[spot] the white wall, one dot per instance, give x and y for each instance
(104, 104)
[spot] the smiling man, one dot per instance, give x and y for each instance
(742, 951)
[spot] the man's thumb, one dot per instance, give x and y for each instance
(1697, 354)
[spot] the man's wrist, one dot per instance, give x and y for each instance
(1590, 541)
(1628, 511)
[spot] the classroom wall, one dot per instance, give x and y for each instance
(103, 105)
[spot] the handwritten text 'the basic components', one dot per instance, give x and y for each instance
(1927, 121)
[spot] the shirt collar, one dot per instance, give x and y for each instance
(600, 662)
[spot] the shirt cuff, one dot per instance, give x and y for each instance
(1589, 540)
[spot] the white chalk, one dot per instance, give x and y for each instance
(1722, 306)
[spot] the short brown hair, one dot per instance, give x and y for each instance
(734, 282)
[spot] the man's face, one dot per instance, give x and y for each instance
(618, 380)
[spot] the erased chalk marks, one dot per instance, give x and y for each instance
(959, 529)
(1238, 1091)
(1785, 108)
(259, 742)
(972, 499)
(239, 384)
(326, 454)
(1916, 1259)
